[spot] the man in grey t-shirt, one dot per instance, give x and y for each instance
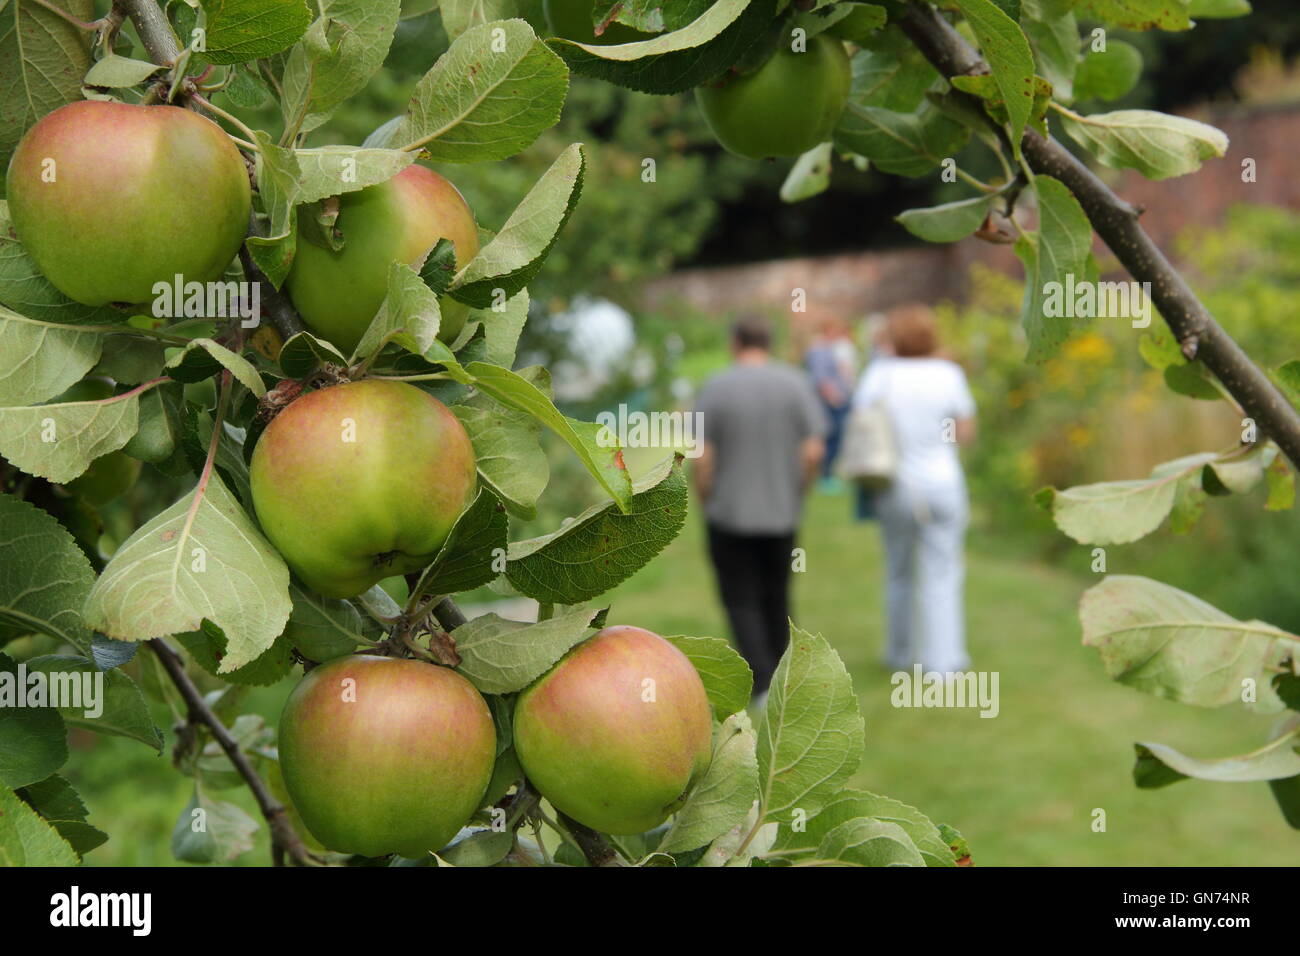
(763, 440)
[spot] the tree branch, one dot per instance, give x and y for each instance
(284, 839)
(593, 846)
(1116, 221)
(274, 303)
(154, 30)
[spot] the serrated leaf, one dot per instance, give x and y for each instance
(1171, 644)
(45, 59)
(211, 831)
(120, 712)
(26, 839)
(240, 30)
(1158, 765)
(867, 841)
(472, 552)
(202, 358)
(44, 576)
(501, 657)
(906, 144)
(1157, 145)
(515, 255)
(811, 738)
(207, 646)
(722, 799)
(322, 628)
(33, 740)
(60, 441)
(856, 804)
(1055, 41)
(509, 454)
(604, 545)
(200, 558)
(728, 681)
(1007, 51)
(1056, 255)
(42, 359)
(487, 98)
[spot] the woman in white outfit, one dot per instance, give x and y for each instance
(923, 513)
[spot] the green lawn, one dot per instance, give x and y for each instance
(1022, 787)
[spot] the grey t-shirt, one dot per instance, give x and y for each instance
(756, 417)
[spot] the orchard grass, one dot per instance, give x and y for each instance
(1021, 787)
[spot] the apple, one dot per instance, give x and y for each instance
(110, 198)
(572, 20)
(785, 107)
(337, 293)
(109, 476)
(385, 755)
(359, 482)
(617, 732)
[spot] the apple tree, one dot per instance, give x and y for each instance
(302, 356)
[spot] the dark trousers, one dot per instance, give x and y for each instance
(754, 582)
(836, 416)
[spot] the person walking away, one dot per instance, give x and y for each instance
(830, 361)
(923, 513)
(763, 441)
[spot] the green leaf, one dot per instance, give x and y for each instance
(867, 841)
(60, 441)
(1055, 41)
(1138, 14)
(723, 798)
(515, 255)
(676, 61)
(727, 678)
(42, 359)
(198, 559)
(1109, 74)
(1287, 794)
(26, 839)
(605, 545)
(906, 144)
(501, 657)
(115, 71)
(45, 58)
(211, 831)
(207, 646)
(240, 30)
(487, 98)
(1060, 254)
(118, 711)
(1275, 761)
(44, 576)
(59, 805)
(809, 176)
(203, 358)
(603, 458)
(474, 552)
(930, 842)
(322, 628)
(336, 57)
(510, 457)
(949, 222)
(811, 738)
(33, 740)
(1157, 145)
(1171, 644)
(1218, 9)
(479, 848)
(1007, 51)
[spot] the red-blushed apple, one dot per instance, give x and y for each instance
(617, 732)
(110, 198)
(359, 482)
(785, 107)
(337, 293)
(385, 755)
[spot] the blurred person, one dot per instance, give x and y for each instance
(923, 511)
(764, 432)
(831, 361)
(878, 346)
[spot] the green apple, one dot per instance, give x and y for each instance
(617, 732)
(786, 106)
(110, 198)
(337, 293)
(383, 755)
(572, 20)
(359, 482)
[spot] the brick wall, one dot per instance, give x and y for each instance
(855, 284)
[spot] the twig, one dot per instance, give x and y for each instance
(284, 839)
(154, 30)
(274, 303)
(1116, 221)
(593, 846)
(448, 614)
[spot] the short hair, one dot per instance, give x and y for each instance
(912, 331)
(752, 332)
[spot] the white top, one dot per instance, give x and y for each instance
(925, 398)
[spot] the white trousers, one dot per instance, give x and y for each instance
(924, 530)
